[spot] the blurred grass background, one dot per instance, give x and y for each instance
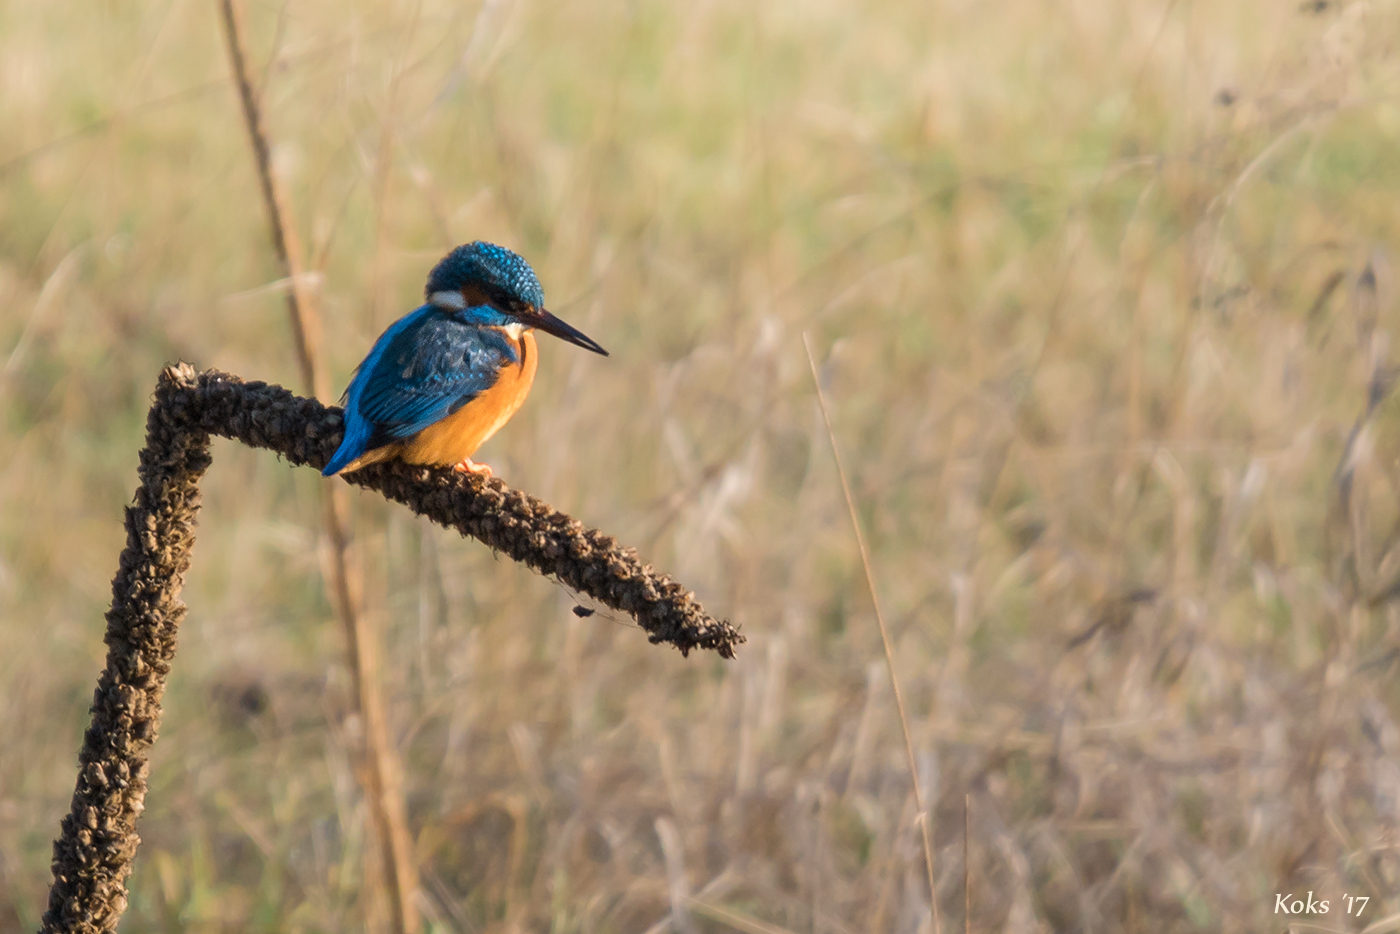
(1105, 303)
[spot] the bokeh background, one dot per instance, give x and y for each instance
(1103, 302)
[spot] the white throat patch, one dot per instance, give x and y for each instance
(450, 300)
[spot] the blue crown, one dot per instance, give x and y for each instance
(492, 267)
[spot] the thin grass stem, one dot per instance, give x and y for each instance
(380, 778)
(923, 817)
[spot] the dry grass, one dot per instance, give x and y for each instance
(377, 764)
(1105, 307)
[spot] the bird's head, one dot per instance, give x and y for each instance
(483, 275)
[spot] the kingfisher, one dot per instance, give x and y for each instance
(447, 375)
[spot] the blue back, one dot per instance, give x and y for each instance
(426, 366)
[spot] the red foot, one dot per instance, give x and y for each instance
(469, 466)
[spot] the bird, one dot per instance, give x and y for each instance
(446, 376)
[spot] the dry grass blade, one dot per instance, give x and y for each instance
(1384, 925)
(923, 815)
(734, 919)
(306, 324)
(672, 850)
(381, 778)
(967, 864)
(93, 854)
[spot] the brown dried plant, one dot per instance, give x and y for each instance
(93, 855)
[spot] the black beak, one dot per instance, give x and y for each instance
(539, 318)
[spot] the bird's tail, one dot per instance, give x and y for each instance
(338, 463)
(350, 452)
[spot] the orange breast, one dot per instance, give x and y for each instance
(458, 435)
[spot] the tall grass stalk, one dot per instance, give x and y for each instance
(381, 781)
(924, 817)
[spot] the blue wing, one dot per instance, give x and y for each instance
(426, 366)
